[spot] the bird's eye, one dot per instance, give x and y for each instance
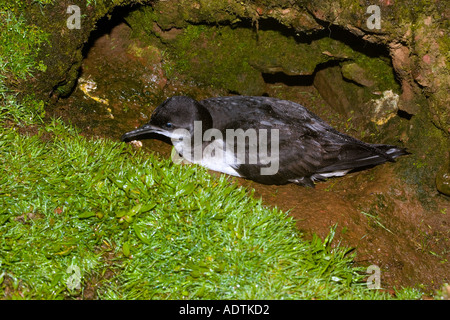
(169, 125)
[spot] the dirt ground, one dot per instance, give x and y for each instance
(375, 211)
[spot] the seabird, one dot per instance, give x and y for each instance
(264, 139)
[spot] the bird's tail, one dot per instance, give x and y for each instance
(391, 152)
(357, 157)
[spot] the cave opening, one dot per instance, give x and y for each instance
(132, 64)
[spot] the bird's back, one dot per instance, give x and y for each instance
(309, 148)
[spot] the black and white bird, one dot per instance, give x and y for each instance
(268, 140)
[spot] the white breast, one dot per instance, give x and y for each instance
(213, 157)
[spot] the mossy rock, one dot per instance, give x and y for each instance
(443, 179)
(234, 56)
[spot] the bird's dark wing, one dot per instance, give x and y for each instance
(309, 148)
(235, 108)
(301, 150)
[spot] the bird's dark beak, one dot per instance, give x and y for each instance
(144, 132)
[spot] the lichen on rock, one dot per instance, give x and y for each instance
(384, 108)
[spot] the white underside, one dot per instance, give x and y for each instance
(334, 174)
(213, 157)
(216, 159)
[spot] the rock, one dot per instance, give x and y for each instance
(443, 179)
(328, 83)
(355, 73)
(385, 108)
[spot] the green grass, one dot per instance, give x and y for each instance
(140, 228)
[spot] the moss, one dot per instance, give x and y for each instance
(233, 57)
(380, 70)
(219, 57)
(443, 178)
(19, 45)
(178, 14)
(428, 147)
(59, 59)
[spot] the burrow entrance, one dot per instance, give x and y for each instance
(131, 64)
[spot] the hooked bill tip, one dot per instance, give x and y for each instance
(133, 135)
(144, 132)
(125, 138)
